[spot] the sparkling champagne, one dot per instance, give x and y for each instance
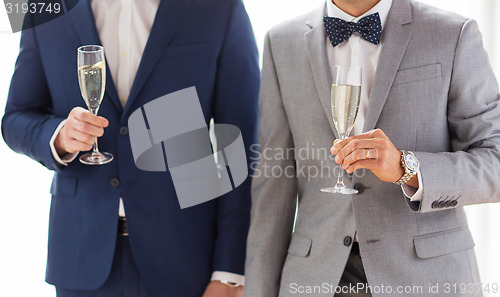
(91, 66)
(345, 105)
(92, 79)
(345, 96)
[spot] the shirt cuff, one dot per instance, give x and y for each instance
(412, 193)
(228, 276)
(67, 158)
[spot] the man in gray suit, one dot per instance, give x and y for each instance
(429, 121)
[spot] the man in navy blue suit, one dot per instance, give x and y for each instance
(116, 230)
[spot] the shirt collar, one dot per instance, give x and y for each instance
(382, 7)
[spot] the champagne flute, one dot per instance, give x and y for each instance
(345, 96)
(92, 80)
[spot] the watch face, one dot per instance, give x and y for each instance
(411, 162)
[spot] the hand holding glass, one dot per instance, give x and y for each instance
(345, 96)
(92, 80)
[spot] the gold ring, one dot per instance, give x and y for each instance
(367, 154)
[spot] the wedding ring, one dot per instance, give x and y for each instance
(367, 156)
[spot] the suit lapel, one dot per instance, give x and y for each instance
(315, 40)
(395, 38)
(84, 24)
(168, 17)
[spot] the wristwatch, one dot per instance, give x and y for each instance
(410, 164)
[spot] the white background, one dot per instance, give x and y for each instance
(24, 184)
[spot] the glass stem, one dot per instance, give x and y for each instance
(95, 147)
(340, 178)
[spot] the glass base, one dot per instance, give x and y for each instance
(96, 158)
(340, 189)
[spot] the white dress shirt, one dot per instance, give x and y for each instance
(124, 27)
(357, 52)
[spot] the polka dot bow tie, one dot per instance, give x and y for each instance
(369, 27)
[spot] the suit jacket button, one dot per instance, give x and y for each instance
(347, 240)
(115, 183)
(454, 203)
(435, 204)
(441, 204)
(360, 187)
(448, 203)
(123, 130)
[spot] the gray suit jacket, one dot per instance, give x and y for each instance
(435, 94)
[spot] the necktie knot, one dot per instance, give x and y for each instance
(338, 30)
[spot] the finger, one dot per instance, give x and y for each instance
(356, 144)
(86, 116)
(359, 154)
(86, 128)
(75, 146)
(369, 164)
(370, 134)
(82, 137)
(339, 144)
(333, 149)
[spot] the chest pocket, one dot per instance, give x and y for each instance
(418, 74)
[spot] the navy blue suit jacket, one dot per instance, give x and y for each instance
(204, 43)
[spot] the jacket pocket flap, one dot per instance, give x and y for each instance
(418, 74)
(63, 186)
(300, 245)
(442, 243)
